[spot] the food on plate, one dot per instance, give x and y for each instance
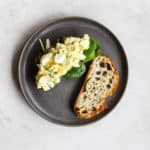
(65, 60)
(101, 82)
(68, 59)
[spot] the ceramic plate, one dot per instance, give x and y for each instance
(56, 104)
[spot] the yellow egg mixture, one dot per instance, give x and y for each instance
(60, 59)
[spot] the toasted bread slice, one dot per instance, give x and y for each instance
(101, 82)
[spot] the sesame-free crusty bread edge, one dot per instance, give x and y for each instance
(103, 105)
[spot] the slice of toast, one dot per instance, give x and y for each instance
(101, 82)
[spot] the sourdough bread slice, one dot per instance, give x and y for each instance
(101, 82)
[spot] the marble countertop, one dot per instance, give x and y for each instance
(126, 127)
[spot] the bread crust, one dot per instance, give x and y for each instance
(103, 105)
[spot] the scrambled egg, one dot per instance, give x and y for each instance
(60, 59)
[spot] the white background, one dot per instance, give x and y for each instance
(127, 127)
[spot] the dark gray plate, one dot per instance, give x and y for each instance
(56, 105)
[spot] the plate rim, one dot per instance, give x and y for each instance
(28, 99)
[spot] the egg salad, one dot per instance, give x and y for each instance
(60, 59)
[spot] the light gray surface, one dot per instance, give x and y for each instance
(127, 127)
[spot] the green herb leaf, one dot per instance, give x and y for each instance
(93, 50)
(48, 44)
(42, 46)
(76, 72)
(97, 52)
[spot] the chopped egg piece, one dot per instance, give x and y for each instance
(60, 58)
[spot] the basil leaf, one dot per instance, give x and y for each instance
(93, 50)
(97, 52)
(76, 72)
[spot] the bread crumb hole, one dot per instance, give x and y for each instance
(84, 111)
(85, 97)
(104, 73)
(108, 66)
(110, 81)
(98, 72)
(108, 86)
(102, 64)
(97, 78)
(93, 109)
